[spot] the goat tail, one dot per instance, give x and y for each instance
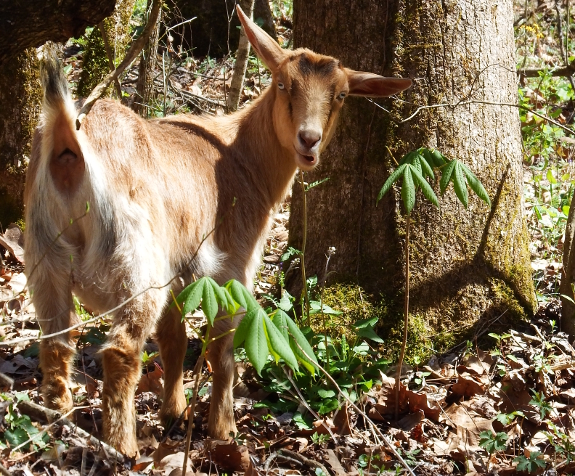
(60, 145)
(53, 80)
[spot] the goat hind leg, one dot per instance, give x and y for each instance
(122, 370)
(52, 299)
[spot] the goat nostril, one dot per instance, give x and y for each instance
(309, 139)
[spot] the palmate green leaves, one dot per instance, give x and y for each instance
(210, 294)
(416, 166)
(461, 176)
(259, 333)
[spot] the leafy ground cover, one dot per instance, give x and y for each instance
(505, 408)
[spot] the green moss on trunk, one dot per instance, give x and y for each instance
(20, 97)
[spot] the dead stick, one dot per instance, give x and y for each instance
(131, 55)
(302, 459)
(40, 412)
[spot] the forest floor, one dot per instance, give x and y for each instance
(503, 410)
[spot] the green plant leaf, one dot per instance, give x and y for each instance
(299, 345)
(365, 329)
(475, 184)
(301, 422)
(371, 322)
(459, 183)
(191, 296)
(550, 175)
(391, 180)
(425, 187)
(256, 343)
(243, 327)
(446, 175)
(427, 164)
(15, 437)
(279, 318)
(209, 300)
(222, 295)
(323, 393)
(416, 163)
(285, 303)
(434, 157)
(278, 345)
(408, 190)
(408, 158)
(317, 308)
(241, 295)
(369, 333)
(328, 406)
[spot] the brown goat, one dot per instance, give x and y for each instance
(156, 189)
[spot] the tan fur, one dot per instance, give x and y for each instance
(155, 190)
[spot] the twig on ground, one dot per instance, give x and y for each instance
(302, 400)
(293, 456)
(39, 412)
(357, 409)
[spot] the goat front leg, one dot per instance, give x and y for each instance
(173, 342)
(221, 421)
(122, 369)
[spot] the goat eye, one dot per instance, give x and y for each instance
(281, 85)
(342, 95)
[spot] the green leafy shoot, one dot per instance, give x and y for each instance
(460, 175)
(414, 167)
(530, 464)
(211, 296)
(417, 166)
(493, 443)
(260, 334)
(365, 328)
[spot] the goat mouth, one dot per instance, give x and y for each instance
(306, 161)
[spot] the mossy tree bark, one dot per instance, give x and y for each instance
(148, 62)
(466, 264)
(33, 22)
(96, 62)
(20, 96)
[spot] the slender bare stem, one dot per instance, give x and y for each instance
(302, 256)
(405, 320)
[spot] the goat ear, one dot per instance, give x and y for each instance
(373, 85)
(264, 45)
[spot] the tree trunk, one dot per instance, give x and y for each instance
(96, 63)
(466, 264)
(33, 22)
(146, 68)
(20, 96)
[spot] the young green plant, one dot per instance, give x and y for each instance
(260, 334)
(415, 168)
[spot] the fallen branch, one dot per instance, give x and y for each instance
(293, 456)
(131, 55)
(41, 413)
